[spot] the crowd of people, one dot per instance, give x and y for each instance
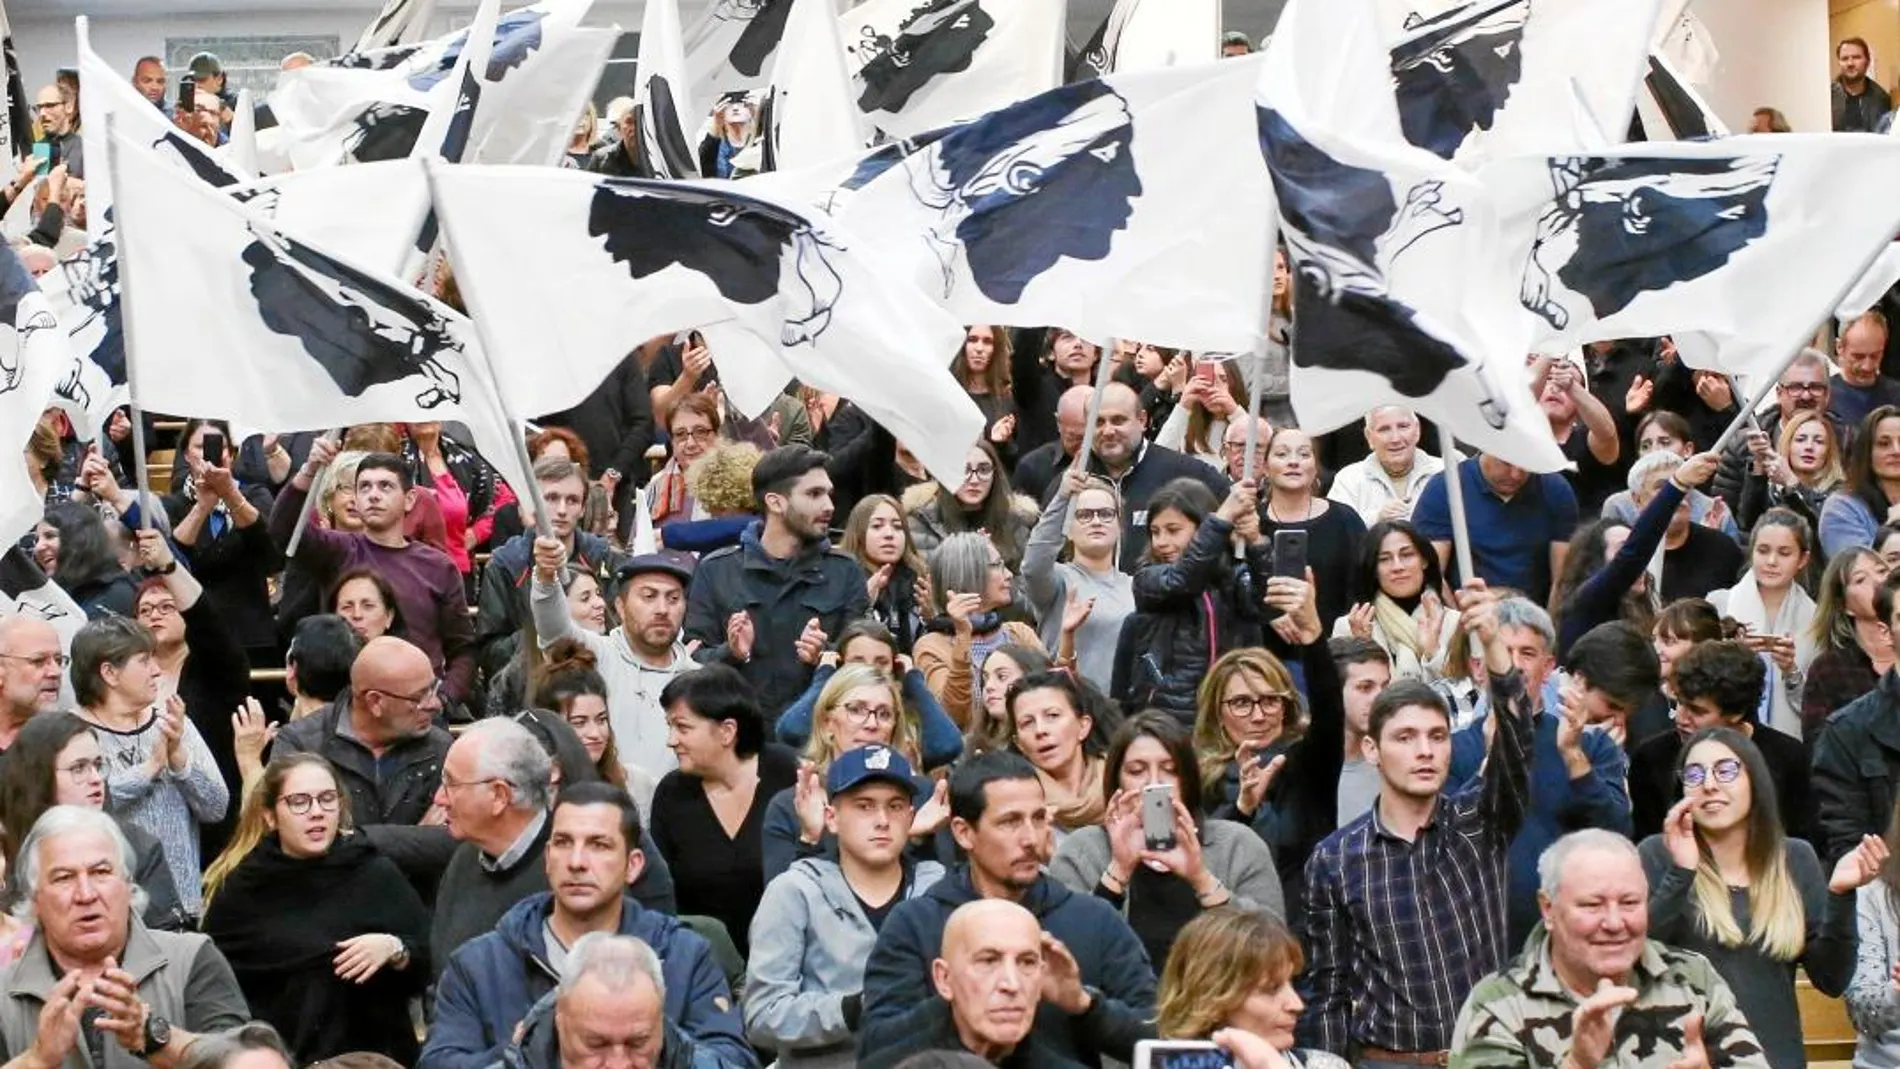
(735, 740)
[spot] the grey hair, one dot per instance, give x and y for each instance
(614, 960)
(1647, 465)
(1525, 613)
(1550, 864)
(1808, 357)
(215, 1050)
(506, 751)
(65, 820)
(961, 564)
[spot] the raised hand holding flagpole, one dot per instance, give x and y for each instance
(1103, 365)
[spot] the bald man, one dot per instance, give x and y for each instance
(1037, 470)
(32, 667)
(148, 77)
(1859, 387)
(988, 977)
(1123, 455)
(380, 734)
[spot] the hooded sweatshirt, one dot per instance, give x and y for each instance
(493, 980)
(810, 942)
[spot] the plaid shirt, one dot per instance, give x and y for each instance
(1397, 933)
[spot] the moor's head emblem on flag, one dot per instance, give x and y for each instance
(174, 146)
(364, 332)
(1064, 158)
(1616, 229)
(764, 25)
(750, 250)
(91, 278)
(517, 36)
(23, 313)
(376, 59)
(1456, 73)
(384, 131)
(1344, 225)
(940, 37)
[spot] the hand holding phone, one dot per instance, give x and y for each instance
(1157, 816)
(1289, 554)
(214, 449)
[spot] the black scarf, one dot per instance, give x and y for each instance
(281, 914)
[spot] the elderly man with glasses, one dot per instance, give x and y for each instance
(32, 670)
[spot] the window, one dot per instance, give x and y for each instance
(249, 62)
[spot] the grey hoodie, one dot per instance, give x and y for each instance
(810, 942)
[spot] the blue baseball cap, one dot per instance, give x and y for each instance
(869, 764)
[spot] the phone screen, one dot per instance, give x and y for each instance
(1181, 1054)
(43, 152)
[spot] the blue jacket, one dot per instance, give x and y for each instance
(900, 1002)
(942, 742)
(1559, 804)
(493, 980)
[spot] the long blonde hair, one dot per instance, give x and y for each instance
(1211, 744)
(821, 749)
(258, 801)
(1832, 475)
(1777, 920)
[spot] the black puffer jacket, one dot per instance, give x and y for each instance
(1186, 615)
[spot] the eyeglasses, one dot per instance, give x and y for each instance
(1725, 770)
(154, 610)
(41, 661)
(1802, 387)
(1095, 515)
(1253, 705)
(432, 692)
(81, 771)
(975, 472)
(703, 435)
(449, 786)
(47, 107)
(863, 714)
(299, 804)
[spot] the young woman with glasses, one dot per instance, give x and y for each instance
(1071, 572)
(326, 936)
(1726, 882)
(982, 502)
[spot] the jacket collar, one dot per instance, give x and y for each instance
(34, 976)
(1534, 973)
(751, 540)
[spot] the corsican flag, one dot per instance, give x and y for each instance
(1400, 292)
(810, 117)
(398, 21)
(921, 64)
(661, 99)
(1872, 287)
(732, 45)
(1145, 34)
(16, 126)
(1133, 206)
(1750, 241)
(34, 360)
(1670, 109)
(777, 290)
(283, 334)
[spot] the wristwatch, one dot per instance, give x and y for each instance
(158, 1034)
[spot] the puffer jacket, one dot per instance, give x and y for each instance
(1186, 615)
(924, 516)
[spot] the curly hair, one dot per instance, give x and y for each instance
(1727, 673)
(721, 481)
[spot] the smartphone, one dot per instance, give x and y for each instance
(1289, 554)
(1157, 815)
(43, 152)
(187, 92)
(1206, 370)
(214, 448)
(1181, 1054)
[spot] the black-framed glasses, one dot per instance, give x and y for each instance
(1252, 705)
(81, 771)
(41, 661)
(299, 804)
(1802, 387)
(864, 714)
(1725, 770)
(421, 697)
(1106, 515)
(973, 472)
(703, 435)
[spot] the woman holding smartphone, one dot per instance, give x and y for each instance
(1770, 602)
(1292, 503)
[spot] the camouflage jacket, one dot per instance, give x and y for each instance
(1520, 1016)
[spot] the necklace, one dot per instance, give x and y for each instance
(1311, 503)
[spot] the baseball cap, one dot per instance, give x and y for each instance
(868, 764)
(665, 562)
(206, 65)
(1235, 37)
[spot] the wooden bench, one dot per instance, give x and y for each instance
(1825, 1030)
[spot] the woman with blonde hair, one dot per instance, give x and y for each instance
(327, 938)
(1727, 882)
(1804, 467)
(1232, 969)
(858, 707)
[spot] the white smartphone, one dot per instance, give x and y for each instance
(1157, 815)
(1181, 1054)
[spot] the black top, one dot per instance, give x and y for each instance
(1332, 551)
(1654, 786)
(715, 874)
(1709, 560)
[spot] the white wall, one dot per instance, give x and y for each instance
(1775, 53)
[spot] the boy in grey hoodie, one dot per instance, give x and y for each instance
(817, 923)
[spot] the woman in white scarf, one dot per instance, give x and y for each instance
(1399, 571)
(1778, 613)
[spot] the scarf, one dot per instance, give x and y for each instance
(1073, 812)
(666, 496)
(284, 915)
(1401, 632)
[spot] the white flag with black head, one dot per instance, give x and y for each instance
(920, 64)
(34, 361)
(732, 46)
(661, 95)
(283, 334)
(1146, 34)
(810, 115)
(1134, 206)
(1751, 241)
(1493, 78)
(779, 292)
(1400, 295)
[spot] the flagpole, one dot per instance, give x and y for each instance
(318, 487)
(1455, 495)
(139, 466)
(542, 528)
(1769, 382)
(1102, 366)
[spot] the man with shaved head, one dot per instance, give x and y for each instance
(380, 734)
(989, 977)
(1037, 470)
(32, 667)
(1124, 456)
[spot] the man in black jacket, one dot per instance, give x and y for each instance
(1124, 456)
(1039, 468)
(1857, 758)
(999, 819)
(615, 422)
(770, 605)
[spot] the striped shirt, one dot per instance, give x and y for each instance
(1397, 933)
